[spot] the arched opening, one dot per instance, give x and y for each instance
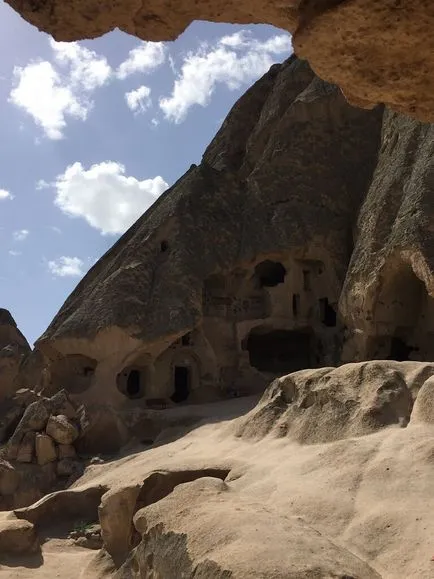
(131, 382)
(279, 351)
(399, 349)
(401, 316)
(181, 384)
(270, 273)
(327, 313)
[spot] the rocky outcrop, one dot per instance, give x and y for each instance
(313, 406)
(387, 298)
(208, 540)
(13, 350)
(314, 481)
(377, 51)
(39, 453)
(272, 208)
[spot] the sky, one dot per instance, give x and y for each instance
(93, 132)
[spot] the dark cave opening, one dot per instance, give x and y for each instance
(400, 350)
(133, 383)
(181, 384)
(279, 351)
(327, 313)
(270, 273)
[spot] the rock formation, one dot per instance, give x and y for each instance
(41, 433)
(329, 475)
(13, 350)
(233, 276)
(302, 240)
(377, 51)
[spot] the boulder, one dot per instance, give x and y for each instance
(26, 449)
(9, 478)
(10, 416)
(224, 534)
(45, 449)
(35, 416)
(66, 451)
(17, 536)
(26, 396)
(62, 430)
(60, 403)
(68, 467)
(330, 404)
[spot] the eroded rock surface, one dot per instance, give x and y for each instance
(13, 350)
(378, 51)
(210, 540)
(328, 404)
(334, 500)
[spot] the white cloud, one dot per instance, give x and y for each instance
(144, 58)
(52, 92)
(139, 100)
(56, 229)
(5, 195)
(14, 253)
(104, 196)
(233, 61)
(66, 266)
(86, 68)
(21, 234)
(42, 184)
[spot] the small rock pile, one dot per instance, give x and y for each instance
(46, 434)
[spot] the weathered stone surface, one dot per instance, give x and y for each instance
(62, 430)
(205, 540)
(9, 478)
(17, 536)
(68, 467)
(378, 51)
(29, 482)
(13, 350)
(10, 416)
(26, 449)
(35, 416)
(327, 404)
(66, 451)
(387, 300)
(45, 449)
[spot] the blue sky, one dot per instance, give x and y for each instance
(93, 132)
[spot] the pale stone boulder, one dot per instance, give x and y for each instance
(17, 536)
(45, 449)
(62, 429)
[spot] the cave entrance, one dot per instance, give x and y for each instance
(270, 273)
(400, 350)
(280, 351)
(131, 382)
(181, 384)
(327, 313)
